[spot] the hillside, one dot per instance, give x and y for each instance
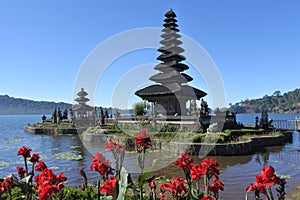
(288, 102)
(16, 106)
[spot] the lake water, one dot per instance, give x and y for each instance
(236, 171)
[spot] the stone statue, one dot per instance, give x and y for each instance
(44, 118)
(204, 108)
(193, 108)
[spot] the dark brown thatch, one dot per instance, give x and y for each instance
(153, 91)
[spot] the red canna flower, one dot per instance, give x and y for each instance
(109, 186)
(152, 184)
(101, 165)
(114, 147)
(34, 158)
(268, 176)
(266, 179)
(142, 140)
(176, 186)
(40, 166)
(9, 182)
(196, 172)
(209, 167)
(21, 171)
(46, 191)
(47, 183)
(3, 188)
(24, 151)
(216, 186)
(162, 195)
(184, 161)
(259, 187)
(207, 198)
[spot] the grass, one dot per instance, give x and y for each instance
(53, 125)
(228, 136)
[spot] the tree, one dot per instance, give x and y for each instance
(139, 108)
(102, 116)
(277, 93)
(65, 114)
(59, 115)
(106, 113)
(54, 116)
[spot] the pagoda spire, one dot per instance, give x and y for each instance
(82, 97)
(171, 67)
(171, 90)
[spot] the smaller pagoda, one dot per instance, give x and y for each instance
(171, 92)
(83, 114)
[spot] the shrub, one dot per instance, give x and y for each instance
(198, 138)
(138, 108)
(168, 135)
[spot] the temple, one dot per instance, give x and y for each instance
(83, 114)
(170, 94)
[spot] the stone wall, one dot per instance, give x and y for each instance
(224, 149)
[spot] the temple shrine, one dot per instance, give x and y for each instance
(171, 92)
(83, 114)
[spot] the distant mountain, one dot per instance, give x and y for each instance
(288, 102)
(16, 106)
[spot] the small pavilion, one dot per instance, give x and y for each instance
(83, 114)
(171, 92)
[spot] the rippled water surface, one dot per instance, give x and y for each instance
(68, 154)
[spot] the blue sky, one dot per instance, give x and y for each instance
(255, 45)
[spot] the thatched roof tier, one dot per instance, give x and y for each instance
(82, 107)
(169, 29)
(171, 57)
(171, 49)
(82, 93)
(170, 77)
(82, 100)
(170, 42)
(170, 66)
(170, 20)
(153, 92)
(170, 25)
(170, 14)
(170, 34)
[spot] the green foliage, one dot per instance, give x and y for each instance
(143, 179)
(71, 193)
(15, 192)
(56, 125)
(277, 103)
(122, 184)
(139, 108)
(200, 129)
(198, 138)
(230, 135)
(168, 128)
(166, 135)
(214, 138)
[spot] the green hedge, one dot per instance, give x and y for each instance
(165, 134)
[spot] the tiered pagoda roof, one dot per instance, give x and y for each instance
(82, 106)
(170, 81)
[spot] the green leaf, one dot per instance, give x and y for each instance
(106, 198)
(22, 184)
(142, 178)
(26, 180)
(122, 184)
